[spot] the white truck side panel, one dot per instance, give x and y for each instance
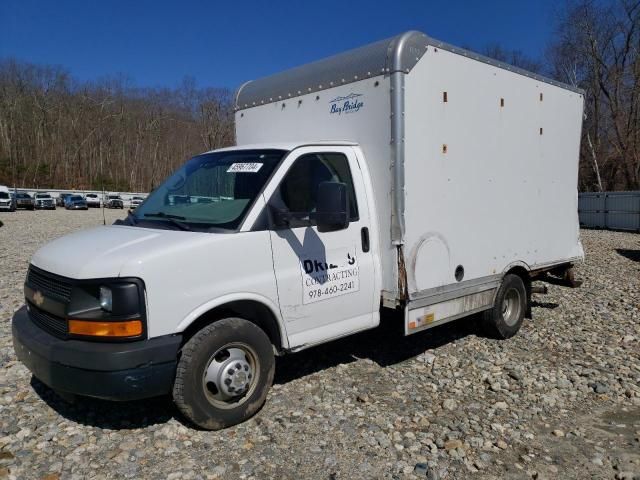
(487, 186)
(308, 118)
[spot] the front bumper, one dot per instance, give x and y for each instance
(77, 207)
(112, 371)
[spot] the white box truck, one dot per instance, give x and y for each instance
(407, 174)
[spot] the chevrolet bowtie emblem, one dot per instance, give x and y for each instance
(38, 298)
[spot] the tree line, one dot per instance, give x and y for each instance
(58, 132)
(596, 47)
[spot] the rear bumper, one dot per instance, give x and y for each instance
(112, 371)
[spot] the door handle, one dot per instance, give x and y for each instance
(364, 235)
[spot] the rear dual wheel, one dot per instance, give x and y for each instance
(506, 317)
(224, 374)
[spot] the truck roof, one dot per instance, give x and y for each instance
(395, 54)
(286, 145)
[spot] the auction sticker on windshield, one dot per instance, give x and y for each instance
(329, 274)
(247, 167)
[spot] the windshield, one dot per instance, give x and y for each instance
(4, 195)
(92, 195)
(214, 190)
(75, 198)
(43, 195)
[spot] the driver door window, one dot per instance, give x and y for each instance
(297, 193)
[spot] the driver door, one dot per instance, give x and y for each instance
(325, 280)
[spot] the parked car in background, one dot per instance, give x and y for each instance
(6, 201)
(114, 201)
(44, 201)
(76, 202)
(135, 202)
(24, 200)
(93, 200)
(60, 201)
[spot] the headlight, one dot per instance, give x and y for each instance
(107, 308)
(106, 299)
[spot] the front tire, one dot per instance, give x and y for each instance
(224, 374)
(505, 318)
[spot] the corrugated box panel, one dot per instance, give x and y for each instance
(593, 219)
(623, 211)
(614, 210)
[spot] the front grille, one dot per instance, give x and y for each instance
(49, 285)
(54, 325)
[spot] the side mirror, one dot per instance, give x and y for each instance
(332, 207)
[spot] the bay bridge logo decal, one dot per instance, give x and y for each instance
(348, 104)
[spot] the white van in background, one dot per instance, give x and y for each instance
(44, 201)
(406, 175)
(7, 202)
(93, 200)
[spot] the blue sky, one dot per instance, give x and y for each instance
(224, 43)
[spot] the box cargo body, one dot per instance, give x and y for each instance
(474, 163)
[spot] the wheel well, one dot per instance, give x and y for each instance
(526, 279)
(252, 311)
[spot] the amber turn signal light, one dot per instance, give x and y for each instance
(131, 328)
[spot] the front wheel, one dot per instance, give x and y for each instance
(506, 317)
(224, 374)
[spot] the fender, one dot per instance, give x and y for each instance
(517, 263)
(234, 297)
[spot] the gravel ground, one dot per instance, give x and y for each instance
(560, 400)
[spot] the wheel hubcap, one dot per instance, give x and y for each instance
(511, 307)
(230, 375)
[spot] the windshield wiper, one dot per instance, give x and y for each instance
(173, 219)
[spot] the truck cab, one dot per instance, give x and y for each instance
(282, 234)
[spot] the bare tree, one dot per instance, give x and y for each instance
(513, 57)
(57, 132)
(596, 48)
